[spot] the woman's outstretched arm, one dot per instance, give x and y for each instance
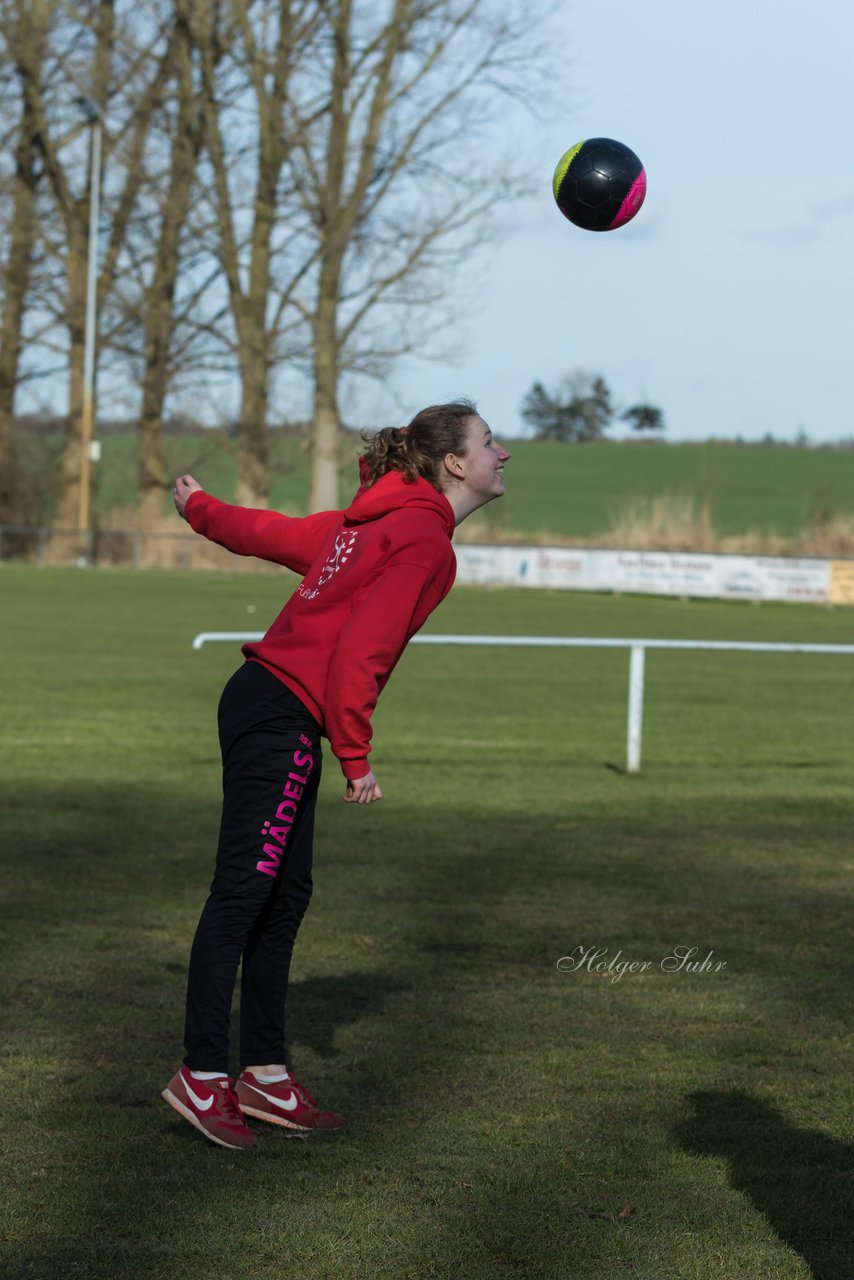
(294, 541)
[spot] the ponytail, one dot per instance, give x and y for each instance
(387, 451)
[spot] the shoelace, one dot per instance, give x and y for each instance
(230, 1105)
(301, 1091)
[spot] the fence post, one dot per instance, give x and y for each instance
(635, 726)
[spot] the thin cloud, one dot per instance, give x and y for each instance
(819, 222)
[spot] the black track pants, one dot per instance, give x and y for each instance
(262, 884)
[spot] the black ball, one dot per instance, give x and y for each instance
(599, 184)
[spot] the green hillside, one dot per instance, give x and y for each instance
(582, 489)
(567, 491)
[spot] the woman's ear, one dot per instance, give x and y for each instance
(453, 466)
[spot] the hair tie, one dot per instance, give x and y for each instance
(403, 430)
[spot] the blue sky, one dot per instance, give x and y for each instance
(728, 301)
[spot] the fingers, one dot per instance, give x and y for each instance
(181, 490)
(370, 794)
(363, 791)
(359, 795)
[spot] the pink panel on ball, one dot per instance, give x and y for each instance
(632, 202)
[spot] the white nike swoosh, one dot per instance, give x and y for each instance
(290, 1105)
(202, 1103)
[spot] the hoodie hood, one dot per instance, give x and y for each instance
(391, 493)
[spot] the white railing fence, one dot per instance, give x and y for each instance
(637, 660)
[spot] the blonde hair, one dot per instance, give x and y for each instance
(420, 448)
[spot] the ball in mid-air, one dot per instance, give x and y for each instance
(599, 184)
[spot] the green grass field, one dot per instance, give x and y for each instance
(566, 491)
(503, 1118)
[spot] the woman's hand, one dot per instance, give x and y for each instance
(181, 490)
(363, 790)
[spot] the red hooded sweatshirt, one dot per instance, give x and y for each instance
(373, 574)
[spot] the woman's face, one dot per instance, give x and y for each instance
(483, 463)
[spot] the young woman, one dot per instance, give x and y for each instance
(372, 575)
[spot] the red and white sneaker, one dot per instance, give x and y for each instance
(210, 1105)
(287, 1103)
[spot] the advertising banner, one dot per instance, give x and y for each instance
(671, 573)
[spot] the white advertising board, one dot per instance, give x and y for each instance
(649, 572)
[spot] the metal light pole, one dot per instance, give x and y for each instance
(90, 449)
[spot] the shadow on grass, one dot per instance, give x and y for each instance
(320, 1007)
(801, 1180)
(97, 962)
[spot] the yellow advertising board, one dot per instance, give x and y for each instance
(841, 590)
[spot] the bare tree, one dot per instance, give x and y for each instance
(288, 182)
(391, 179)
(261, 252)
(121, 75)
(159, 314)
(26, 33)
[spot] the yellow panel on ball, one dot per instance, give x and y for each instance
(563, 164)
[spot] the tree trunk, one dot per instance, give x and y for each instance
(67, 515)
(326, 425)
(253, 477)
(334, 216)
(150, 462)
(15, 287)
(160, 299)
(151, 505)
